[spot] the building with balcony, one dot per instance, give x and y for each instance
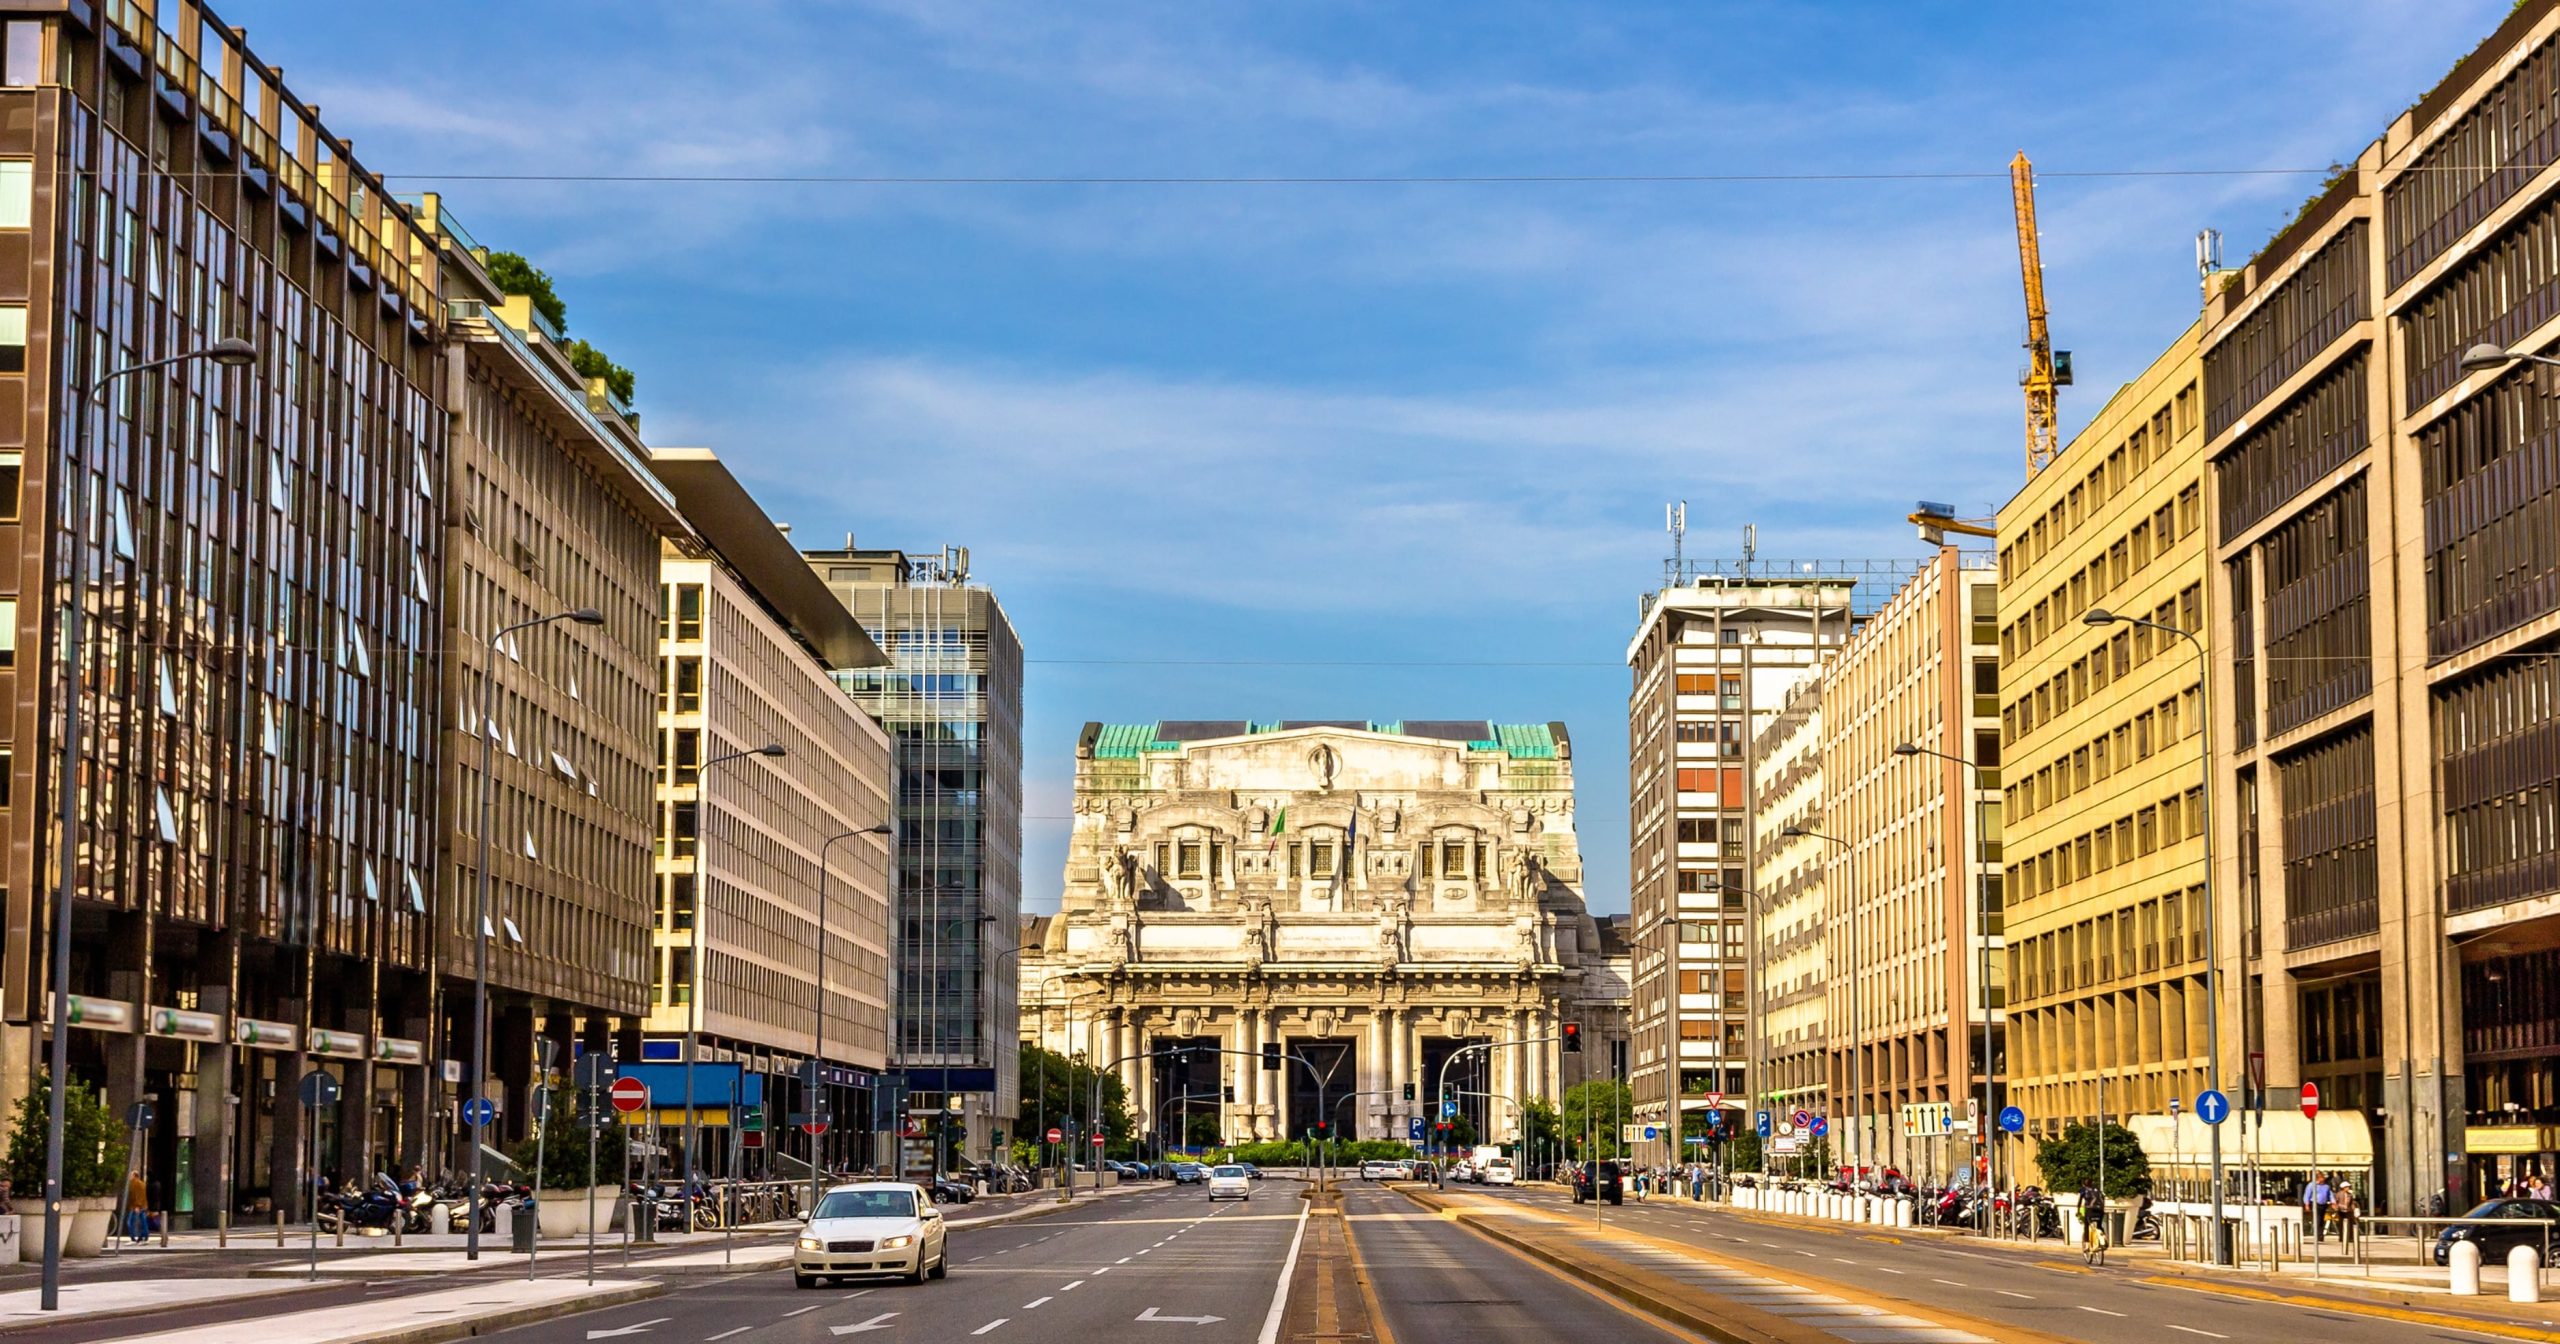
(1909, 845)
(2103, 739)
(952, 701)
(1714, 658)
(756, 946)
(258, 564)
(1791, 972)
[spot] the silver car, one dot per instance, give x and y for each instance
(872, 1228)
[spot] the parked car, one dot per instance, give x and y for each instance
(1251, 1170)
(1189, 1173)
(1229, 1181)
(1160, 1171)
(1599, 1181)
(1377, 1169)
(2494, 1242)
(1498, 1172)
(871, 1228)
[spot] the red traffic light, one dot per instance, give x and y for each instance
(1573, 1038)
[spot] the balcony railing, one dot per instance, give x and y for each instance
(2330, 926)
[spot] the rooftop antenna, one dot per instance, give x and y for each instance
(1750, 546)
(1675, 519)
(2208, 259)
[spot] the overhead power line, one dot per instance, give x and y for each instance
(1324, 180)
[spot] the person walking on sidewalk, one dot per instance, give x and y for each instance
(2315, 1206)
(2342, 1206)
(137, 1208)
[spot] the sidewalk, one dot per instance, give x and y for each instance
(124, 1297)
(423, 1318)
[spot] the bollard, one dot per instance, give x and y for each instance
(279, 1227)
(2465, 1258)
(222, 1230)
(2524, 1275)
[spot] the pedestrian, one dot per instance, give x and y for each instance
(2342, 1206)
(137, 1208)
(1697, 1183)
(2315, 1206)
(2093, 1223)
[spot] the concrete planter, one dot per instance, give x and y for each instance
(85, 1224)
(563, 1213)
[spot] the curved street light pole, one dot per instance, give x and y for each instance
(698, 981)
(1857, 1045)
(1982, 907)
(819, 1111)
(481, 931)
(230, 352)
(2100, 616)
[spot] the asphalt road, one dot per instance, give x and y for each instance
(2054, 1293)
(1437, 1281)
(1164, 1266)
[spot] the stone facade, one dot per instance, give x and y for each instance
(1372, 897)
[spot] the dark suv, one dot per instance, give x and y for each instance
(1599, 1180)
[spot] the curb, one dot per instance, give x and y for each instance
(442, 1331)
(144, 1313)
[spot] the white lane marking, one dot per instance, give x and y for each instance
(1072, 1287)
(1122, 1260)
(990, 1325)
(2006, 1293)
(801, 1312)
(1034, 1304)
(1838, 1260)
(2194, 1331)
(879, 1322)
(2100, 1310)
(726, 1333)
(1141, 1252)
(1102, 1271)
(1950, 1283)
(1280, 1296)
(1882, 1270)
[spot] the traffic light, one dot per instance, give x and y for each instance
(1231, 1094)
(1320, 1131)
(1408, 1091)
(1573, 1038)
(1271, 1055)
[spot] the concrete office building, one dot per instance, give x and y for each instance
(1914, 985)
(2387, 819)
(1715, 654)
(752, 641)
(951, 699)
(549, 506)
(2103, 738)
(1790, 995)
(257, 829)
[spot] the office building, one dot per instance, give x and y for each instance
(1791, 990)
(2103, 738)
(752, 642)
(259, 552)
(951, 700)
(1913, 990)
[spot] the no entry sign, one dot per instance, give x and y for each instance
(2311, 1099)
(1055, 1134)
(629, 1094)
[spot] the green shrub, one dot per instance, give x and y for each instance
(515, 275)
(564, 1146)
(92, 1148)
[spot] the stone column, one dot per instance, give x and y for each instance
(213, 1118)
(1399, 1073)
(1239, 1072)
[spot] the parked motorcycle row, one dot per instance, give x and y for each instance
(409, 1207)
(2025, 1212)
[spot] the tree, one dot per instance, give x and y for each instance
(1742, 1152)
(592, 363)
(1200, 1129)
(1056, 1089)
(2068, 1162)
(1594, 1110)
(515, 275)
(1540, 1126)
(564, 1145)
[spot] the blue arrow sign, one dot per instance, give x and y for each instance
(1413, 1129)
(2212, 1107)
(1448, 1110)
(479, 1111)
(2013, 1120)
(1764, 1124)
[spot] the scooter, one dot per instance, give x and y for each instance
(376, 1209)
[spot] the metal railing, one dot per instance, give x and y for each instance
(2425, 1244)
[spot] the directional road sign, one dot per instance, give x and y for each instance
(1449, 1110)
(1413, 1129)
(629, 1094)
(2212, 1107)
(319, 1088)
(479, 1111)
(2013, 1120)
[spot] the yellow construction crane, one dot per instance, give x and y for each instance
(2046, 370)
(1936, 520)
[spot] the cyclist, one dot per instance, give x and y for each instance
(2093, 1224)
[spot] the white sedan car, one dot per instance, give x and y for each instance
(1230, 1182)
(872, 1228)
(1499, 1172)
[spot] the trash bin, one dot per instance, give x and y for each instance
(522, 1225)
(643, 1213)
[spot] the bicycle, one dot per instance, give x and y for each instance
(2093, 1240)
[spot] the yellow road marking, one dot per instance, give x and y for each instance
(2509, 1329)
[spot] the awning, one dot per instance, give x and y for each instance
(2283, 1143)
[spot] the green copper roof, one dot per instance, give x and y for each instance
(1522, 741)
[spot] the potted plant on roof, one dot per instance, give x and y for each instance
(92, 1167)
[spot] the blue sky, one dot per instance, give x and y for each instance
(1200, 436)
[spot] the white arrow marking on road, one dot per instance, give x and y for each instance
(640, 1329)
(879, 1322)
(1150, 1315)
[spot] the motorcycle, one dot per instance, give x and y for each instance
(376, 1209)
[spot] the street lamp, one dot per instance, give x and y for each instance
(2100, 616)
(2485, 356)
(694, 991)
(480, 956)
(1857, 1045)
(818, 1108)
(1982, 903)
(231, 352)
